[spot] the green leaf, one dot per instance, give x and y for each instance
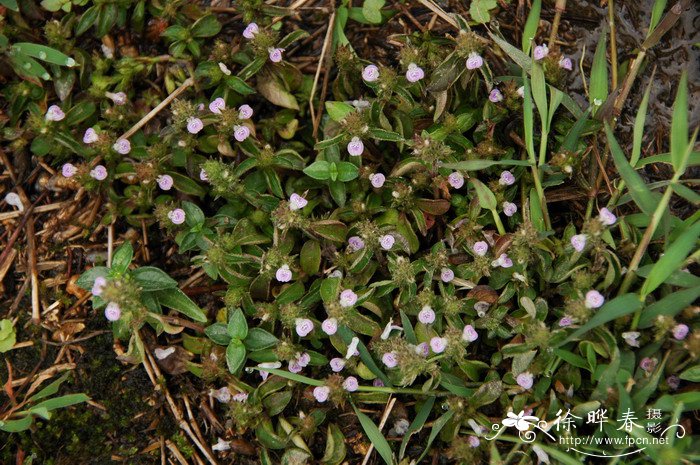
(150, 278)
(293, 376)
(275, 91)
(636, 186)
(122, 257)
(319, 169)
(235, 356)
(218, 332)
(238, 85)
(347, 171)
(679, 125)
(186, 184)
(479, 10)
(438, 425)
(15, 426)
(87, 20)
(672, 260)
(10, 4)
(259, 339)
(335, 140)
(530, 29)
(599, 74)
(8, 336)
(371, 10)
(292, 37)
(381, 134)
(177, 300)
(338, 110)
(486, 198)
(639, 125)
(616, 308)
(335, 451)
(237, 325)
(61, 402)
(206, 26)
(44, 53)
(87, 279)
(692, 374)
(417, 423)
(375, 436)
(480, 164)
(310, 257)
(330, 229)
(193, 214)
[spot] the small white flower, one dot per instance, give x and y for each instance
(352, 348)
(224, 69)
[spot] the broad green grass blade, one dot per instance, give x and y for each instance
(375, 436)
(656, 13)
(672, 260)
(616, 308)
(530, 29)
(292, 376)
(636, 186)
(528, 120)
(679, 125)
(539, 92)
(438, 425)
(670, 305)
(599, 74)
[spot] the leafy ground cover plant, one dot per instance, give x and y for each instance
(382, 251)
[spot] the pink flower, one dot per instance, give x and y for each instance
(194, 125)
(473, 441)
(447, 275)
(304, 326)
(223, 395)
(507, 178)
(389, 359)
(414, 73)
(565, 321)
(578, 242)
(177, 216)
(565, 63)
(321, 393)
(509, 208)
(330, 326)
(469, 334)
(525, 380)
(647, 364)
(304, 359)
(294, 366)
(438, 344)
(99, 172)
(377, 382)
(495, 96)
(356, 243)
(423, 349)
(241, 133)
(456, 180)
(122, 146)
(217, 105)
(377, 180)
(503, 261)
(245, 111)
(283, 274)
(119, 98)
(203, 175)
(68, 170)
(297, 202)
(165, 182)
(250, 31)
(112, 311)
(356, 147)
(607, 217)
(680, 331)
(474, 61)
(54, 113)
(350, 384)
(426, 315)
(370, 73)
(347, 298)
(540, 52)
(275, 54)
(90, 136)
(480, 248)
(673, 382)
(240, 397)
(594, 299)
(98, 286)
(337, 364)
(387, 241)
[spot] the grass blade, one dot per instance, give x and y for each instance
(438, 425)
(616, 308)
(417, 424)
(679, 125)
(599, 74)
(639, 121)
(672, 260)
(376, 437)
(530, 29)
